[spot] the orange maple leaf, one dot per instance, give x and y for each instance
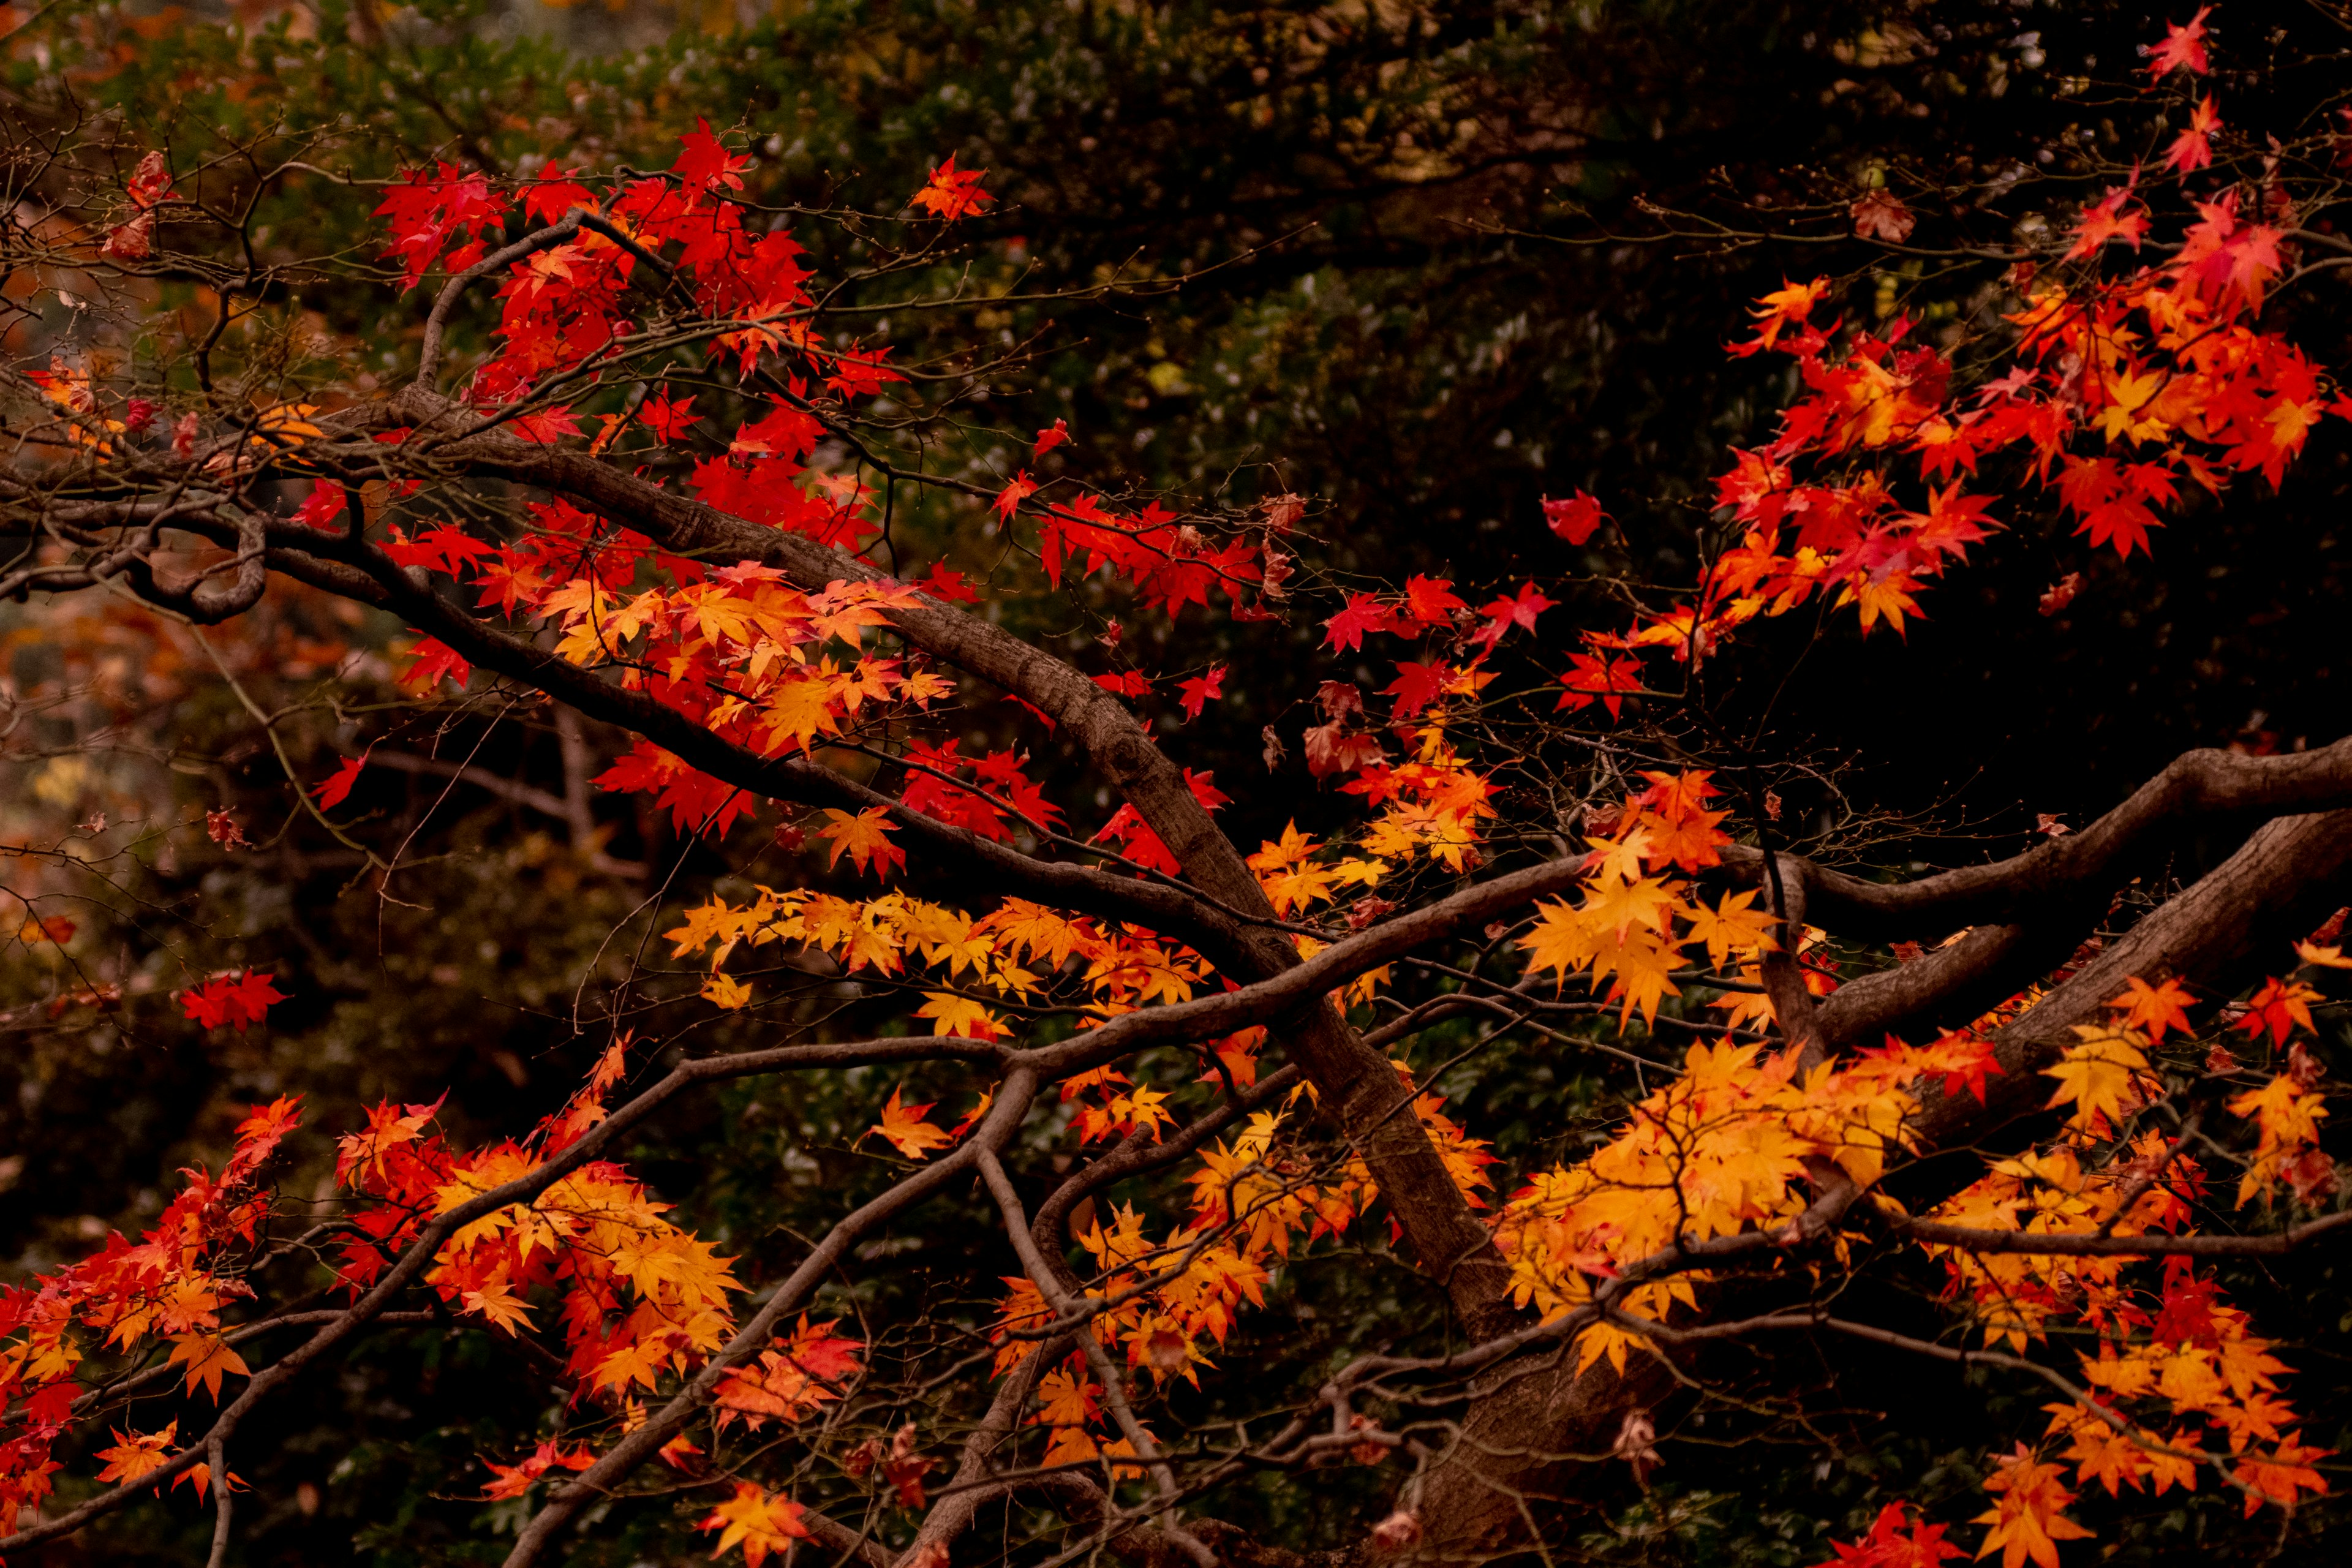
(952, 193)
(2027, 1522)
(2153, 1009)
(135, 1453)
(864, 838)
(906, 1131)
(207, 1357)
(756, 1520)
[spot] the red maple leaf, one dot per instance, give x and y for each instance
(1506, 613)
(321, 506)
(2183, 47)
(548, 197)
(1574, 519)
(1365, 612)
(238, 999)
(1196, 692)
(943, 582)
(667, 418)
(705, 164)
(332, 794)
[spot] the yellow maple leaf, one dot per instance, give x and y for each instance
(725, 991)
(2098, 1077)
(801, 708)
(635, 1361)
(1619, 861)
(953, 1015)
(1063, 1400)
(1617, 907)
(1641, 961)
(1732, 928)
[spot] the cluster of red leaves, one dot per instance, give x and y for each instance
(231, 999)
(998, 787)
(563, 313)
(171, 1285)
(2124, 394)
(1169, 565)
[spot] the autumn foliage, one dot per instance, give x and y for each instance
(640, 464)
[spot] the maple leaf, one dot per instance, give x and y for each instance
(135, 1453)
(500, 1305)
(1506, 613)
(1561, 939)
(2183, 47)
(1196, 692)
(553, 193)
(1055, 434)
(2153, 1009)
(2279, 1007)
(207, 1357)
(1789, 305)
(1364, 613)
(2099, 1076)
(238, 999)
(726, 992)
(2193, 149)
(1732, 927)
(1126, 683)
(952, 193)
(953, 1014)
(667, 418)
(1574, 519)
(1430, 601)
(1018, 489)
(638, 1362)
(1880, 215)
(333, 793)
(1887, 1546)
(2027, 1522)
(801, 708)
(704, 164)
(432, 661)
(945, 583)
(904, 1127)
(2105, 220)
(545, 426)
(864, 838)
(757, 1520)
(321, 506)
(150, 182)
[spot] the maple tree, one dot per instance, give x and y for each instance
(644, 462)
